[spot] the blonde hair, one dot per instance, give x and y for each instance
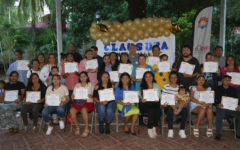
(48, 56)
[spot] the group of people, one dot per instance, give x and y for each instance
(49, 77)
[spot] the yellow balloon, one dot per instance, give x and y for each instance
(155, 19)
(137, 22)
(149, 21)
(166, 33)
(117, 24)
(109, 25)
(107, 22)
(129, 24)
(140, 32)
(117, 34)
(146, 35)
(127, 33)
(168, 25)
(122, 28)
(135, 37)
(99, 35)
(93, 30)
(160, 34)
(161, 29)
(141, 37)
(149, 29)
(155, 24)
(94, 37)
(143, 25)
(161, 21)
(105, 41)
(144, 19)
(124, 38)
(168, 20)
(112, 29)
(155, 34)
(113, 38)
(133, 28)
(106, 34)
(124, 23)
(94, 24)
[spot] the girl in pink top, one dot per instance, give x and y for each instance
(92, 73)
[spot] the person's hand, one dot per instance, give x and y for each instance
(90, 96)
(218, 71)
(206, 105)
(165, 104)
(61, 104)
(202, 103)
(156, 70)
(187, 75)
(144, 100)
(114, 94)
(29, 66)
(48, 79)
(73, 96)
(45, 105)
(26, 103)
(201, 70)
(127, 104)
(39, 101)
(88, 70)
(65, 75)
(156, 100)
(174, 69)
(17, 101)
(237, 109)
(139, 80)
(76, 73)
(105, 102)
(220, 105)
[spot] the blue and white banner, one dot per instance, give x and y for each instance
(202, 33)
(166, 44)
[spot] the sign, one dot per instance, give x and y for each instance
(166, 44)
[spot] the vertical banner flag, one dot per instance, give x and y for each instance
(166, 44)
(202, 24)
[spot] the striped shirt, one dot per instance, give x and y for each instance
(167, 89)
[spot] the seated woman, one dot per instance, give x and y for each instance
(152, 108)
(7, 111)
(104, 107)
(200, 108)
(128, 110)
(62, 91)
(83, 105)
(34, 84)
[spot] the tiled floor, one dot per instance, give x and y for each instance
(61, 140)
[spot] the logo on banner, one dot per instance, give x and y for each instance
(201, 48)
(203, 22)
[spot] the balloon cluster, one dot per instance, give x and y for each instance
(138, 29)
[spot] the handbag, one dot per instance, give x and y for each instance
(79, 103)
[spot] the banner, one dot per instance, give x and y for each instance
(166, 44)
(202, 24)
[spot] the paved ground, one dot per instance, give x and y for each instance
(61, 140)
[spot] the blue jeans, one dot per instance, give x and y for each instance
(108, 109)
(48, 110)
(221, 113)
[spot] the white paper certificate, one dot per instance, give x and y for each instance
(106, 95)
(81, 93)
(70, 67)
(229, 103)
(186, 68)
(150, 95)
(125, 68)
(153, 60)
(114, 76)
(164, 66)
(130, 96)
(11, 95)
(206, 96)
(168, 98)
(33, 97)
(22, 64)
(140, 72)
(235, 77)
(91, 64)
(211, 67)
(53, 100)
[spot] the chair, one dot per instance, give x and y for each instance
(40, 114)
(91, 114)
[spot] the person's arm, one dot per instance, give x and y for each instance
(133, 78)
(223, 71)
(66, 93)
(42, 73)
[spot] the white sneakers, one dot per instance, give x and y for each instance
(18, 114)
(49, 130)
(61, 124)
(150, 133)
(154, 131)
(181, 133)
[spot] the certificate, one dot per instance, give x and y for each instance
(130, 96)
(53, 100)
(91, 64)
(168, 98)
(211, 67)
(140, 72)
(186, 68)
(206, 96)
(229, 103)
(11, 95)
(235, 77)
(114, 76)
(106, 95)
(81, 93)
(33, 97)
(153, 60)
(150, 94)
(125, 68)
(22, 64)
(164, 66)
(70, 67)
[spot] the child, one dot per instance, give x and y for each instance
(35, 68)
(55, 70)
(2, 84)
(181, 96)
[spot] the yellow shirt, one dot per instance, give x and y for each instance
(161, 78)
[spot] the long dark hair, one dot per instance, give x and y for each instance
(128, 61)
(172, 73)
(109, 84)
(116, 61)
(30, 83)
(144, 84)
(84, 72)
(103, 64)
(205, 85)
(55, 75)
(235, 63)
(120, 80)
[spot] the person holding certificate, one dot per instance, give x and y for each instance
(199, 107)
(106, 66)
(92, 73)
(124, 59)
(155, 58)
(33, 101)
(104, 107)
(151, 107)
(161, 78)
(128, 110)
(61, 92)
(12, 103)
(22, 74)
(142, 64)
(212, 78)
(83, 103)
(225, 90)
(114, 61)
(34, 68)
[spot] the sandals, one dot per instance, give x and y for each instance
(85, 133)
(77, 131)
(196, 132)
(209, 132)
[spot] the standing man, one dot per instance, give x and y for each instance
(218, 56)
(186, 79)
(77, 57)
(133, 56)
(96, 56)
